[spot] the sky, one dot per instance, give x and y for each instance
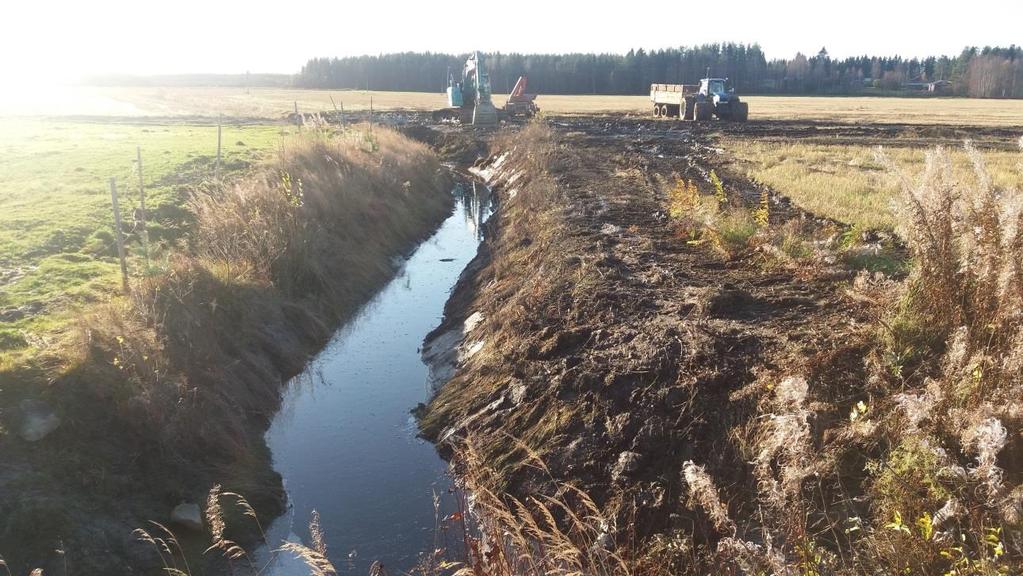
(45, 40)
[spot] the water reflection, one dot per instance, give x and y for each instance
(344, 440)
(476, 204)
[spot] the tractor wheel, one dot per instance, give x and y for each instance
(686, 112)
(740, 113)
(657, 111)
(703, 111)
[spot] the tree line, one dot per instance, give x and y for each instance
(990, 72)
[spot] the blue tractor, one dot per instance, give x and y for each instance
(691, 102)
(726, 105)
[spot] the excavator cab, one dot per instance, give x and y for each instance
(476, 92)
(454, 91)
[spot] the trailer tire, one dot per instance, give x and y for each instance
(664, 111)
(687, 106)
(657, 111)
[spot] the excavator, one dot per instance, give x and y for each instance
(472, 92)
(469, 96)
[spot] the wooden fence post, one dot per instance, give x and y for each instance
(118, 235)
(216, 170)
(332, 103)
(142, 203)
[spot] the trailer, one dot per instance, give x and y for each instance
(701, 101)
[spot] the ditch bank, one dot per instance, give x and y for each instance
(167, 393)
(588, 333)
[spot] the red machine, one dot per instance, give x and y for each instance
(519, 103)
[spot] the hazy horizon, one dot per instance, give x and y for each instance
(115, 37)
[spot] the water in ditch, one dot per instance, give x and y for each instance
(344, 440)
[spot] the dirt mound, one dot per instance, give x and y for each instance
(607, 344)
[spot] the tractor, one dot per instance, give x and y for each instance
(691, 102)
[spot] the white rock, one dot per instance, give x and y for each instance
(472, 350)
(627, 464)
(472, 321)
(187, 514)
(38, 420)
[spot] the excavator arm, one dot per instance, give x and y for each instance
(520, 88)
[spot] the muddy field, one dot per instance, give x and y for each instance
(611, 346)
(594, 341)
(597, 338)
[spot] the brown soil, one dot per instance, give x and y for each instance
(611, 347)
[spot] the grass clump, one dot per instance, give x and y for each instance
(846, 182)
(709, 219)
(275, 260)
(733, 228)
(923, 475)
(562, 535)
(174, 382)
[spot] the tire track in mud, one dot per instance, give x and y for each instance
(610, 346)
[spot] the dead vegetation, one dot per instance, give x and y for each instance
(181, 378)
(277, 259)
(932, 424)
(748, 403)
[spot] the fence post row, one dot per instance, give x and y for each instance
(142, 205)
(118, 235)
(216, 169)
(340, 113)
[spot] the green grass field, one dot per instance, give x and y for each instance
(57, 249)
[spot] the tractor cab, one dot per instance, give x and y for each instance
(717, 90)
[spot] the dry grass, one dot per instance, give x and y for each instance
(293, 247)
(955, 408)
(169, 385)
(238, 560)
(543, 536)
(924, 475)
(276, 260)
(567, 535)
(279, 102)
(954, 111)
(846, 182)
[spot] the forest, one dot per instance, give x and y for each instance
(990, 72)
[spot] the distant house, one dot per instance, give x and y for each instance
(936, 87)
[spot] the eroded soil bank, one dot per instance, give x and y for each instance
(175, 390)
(611, 347)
